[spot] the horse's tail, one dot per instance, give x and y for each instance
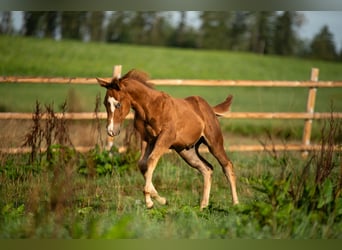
(223, 107)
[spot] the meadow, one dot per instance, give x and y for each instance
(65, 194)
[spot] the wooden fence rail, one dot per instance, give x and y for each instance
(177, 82)
(232, 115)
(308, 116)
(232, 148)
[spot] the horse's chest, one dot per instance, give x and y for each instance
(152, 129)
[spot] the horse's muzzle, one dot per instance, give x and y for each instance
(113, 129)
(113, 133)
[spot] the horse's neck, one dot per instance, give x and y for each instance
(141, 97)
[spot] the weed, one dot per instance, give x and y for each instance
(102, 162)
(97, 124)
(34, 138)
(45, 133)
(313, 193)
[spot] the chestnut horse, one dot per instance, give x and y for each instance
(164, 123)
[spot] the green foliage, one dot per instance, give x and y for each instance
(284, 35)
(286, 201)
(120, 230)
(103, 162)
(297, 194)
(13, 171)
(9, 211)
(322, 45)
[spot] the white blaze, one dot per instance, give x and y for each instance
(112, 102)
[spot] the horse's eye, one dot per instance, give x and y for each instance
(118, 105)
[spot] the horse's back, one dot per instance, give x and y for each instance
(201, 107)
(212, 130)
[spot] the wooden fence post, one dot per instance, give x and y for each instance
(116, 73)
(310, 107)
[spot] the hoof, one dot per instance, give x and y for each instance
(149, 205)
(162, 201)
(203, 205)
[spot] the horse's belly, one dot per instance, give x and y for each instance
(188, 135)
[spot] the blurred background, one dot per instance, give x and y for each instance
(310, 34)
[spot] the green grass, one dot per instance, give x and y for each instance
(51, 201)
(32, 56)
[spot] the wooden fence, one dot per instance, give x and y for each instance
(308, 116)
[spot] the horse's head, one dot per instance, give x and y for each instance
(117, 105)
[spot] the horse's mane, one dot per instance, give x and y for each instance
(139, 76)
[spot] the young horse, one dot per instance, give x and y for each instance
(164, 123)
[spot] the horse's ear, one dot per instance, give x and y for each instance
(103, 82)
(113, 84)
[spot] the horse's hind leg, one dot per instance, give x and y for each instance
(218, 151)
(192, 157)
(228, 170)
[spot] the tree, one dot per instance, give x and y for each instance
(50, 19)
(6, 22)
(183, 36)
(261, 31)
(161, 30)
(96, 25)
(178, 36)
(137, 28)
(322, 45)
(32, 25)
(40, 23)
(237, 31)
(214, 30)
(118, 27)
(152, 28)
(72, 24)
(284, 38)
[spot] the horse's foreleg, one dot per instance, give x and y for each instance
(147, 164)
(154, 194)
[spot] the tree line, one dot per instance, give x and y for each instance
(263, 32)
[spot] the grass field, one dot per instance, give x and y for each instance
(65, 194)
(97, 196)
(30, 56)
